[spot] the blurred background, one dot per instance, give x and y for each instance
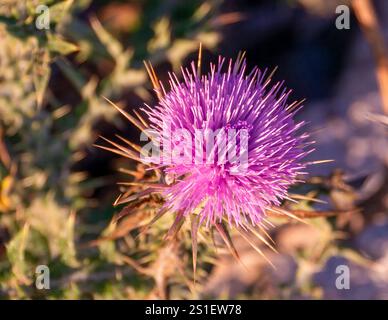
(57, 189)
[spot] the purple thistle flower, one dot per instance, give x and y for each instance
(240, 192)
(227, 146)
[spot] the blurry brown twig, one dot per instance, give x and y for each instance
(305, 214)
(4, 155)
(228, 18)
(366, 16)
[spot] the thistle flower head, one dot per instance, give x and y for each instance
(228, 149)
(228, 143)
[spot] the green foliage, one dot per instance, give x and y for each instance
(50, 104)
